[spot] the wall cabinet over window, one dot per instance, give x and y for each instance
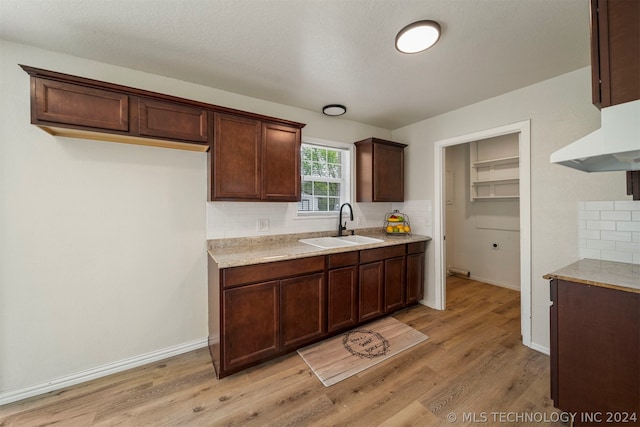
(254, 160)
(379, 171)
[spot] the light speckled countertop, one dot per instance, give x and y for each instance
(607, 274)
(257, 250)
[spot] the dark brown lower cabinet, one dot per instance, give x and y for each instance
(251, 315)
(595, 353)
(394, 284)
(415, 272)
(342, 298)
(371, 291)
(302, 310)
(258, 312)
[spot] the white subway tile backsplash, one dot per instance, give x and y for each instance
(239, 219)
(609, 230)
(608, 245)
(589, 253)
(592, 215)
(627, 205)
(615, 215)
(620, 236)
(601, 225)
(628, 226)
(616, 256)
(599, 206)
(627, 247)
(589, 234)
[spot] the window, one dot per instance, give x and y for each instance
(325, 183)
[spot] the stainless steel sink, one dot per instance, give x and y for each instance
(339, 242)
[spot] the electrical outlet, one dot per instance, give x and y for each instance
(495, 246)
(262, 225)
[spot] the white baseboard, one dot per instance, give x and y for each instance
(492, 282)
(540, 348)
(100, 371)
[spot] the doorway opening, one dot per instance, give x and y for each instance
(489, 187)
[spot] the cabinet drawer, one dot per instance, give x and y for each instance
(416, 248)
(274, 270)
(343, 259)
(80, 106)
(371, 255)
(168, 120)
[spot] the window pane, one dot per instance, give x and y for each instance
(320, 188)
(322, 171)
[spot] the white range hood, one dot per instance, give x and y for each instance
(613, 147)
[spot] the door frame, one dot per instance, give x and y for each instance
(523, 129)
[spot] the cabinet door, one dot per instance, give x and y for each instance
(172, 121)
(302, 306)
(394, 284)
(388, 173)
(235, 158)
(343, 298)
(615, 44)
(250, 324)
(79, 106)
(415, 277)
(280, 163)
(371, 280)
(596, 353)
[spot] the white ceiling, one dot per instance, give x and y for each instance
(308, 53)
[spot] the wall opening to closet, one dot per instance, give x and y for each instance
(482, 210)
(488, 176)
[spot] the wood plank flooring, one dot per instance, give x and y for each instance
(472, 365)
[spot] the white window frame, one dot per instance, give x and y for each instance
(347, 167)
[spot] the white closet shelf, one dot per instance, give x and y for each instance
(494, 197)
(494, 170)
(496, 181)
(496, 162)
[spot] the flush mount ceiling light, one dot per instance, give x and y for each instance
(334, 110)
(418, 36)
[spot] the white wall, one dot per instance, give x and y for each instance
(102, 245)
(472, 227)
(560, 111)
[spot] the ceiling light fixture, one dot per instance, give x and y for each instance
(334, 110)
(419, 36)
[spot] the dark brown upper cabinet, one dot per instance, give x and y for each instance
(254, 160)
(615, 51)
(77, 107)
(172, 121)
(280, 163)
(236, 158)
(59, 103)
(379, 171)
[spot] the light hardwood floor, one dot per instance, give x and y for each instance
(472, 365)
